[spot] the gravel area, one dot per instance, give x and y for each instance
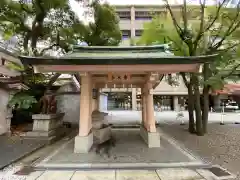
(8, 173)
(220, 146)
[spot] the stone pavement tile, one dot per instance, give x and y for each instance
(34, 175)
(136, 175)
(94, 175)
(178, 174)
(56, 175)
(206, 174)
(14, 148)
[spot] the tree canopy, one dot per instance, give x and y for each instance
(45, 25)
(200, 30)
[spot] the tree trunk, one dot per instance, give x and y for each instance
(205, 108)
(189, 85)
(198, 112)
(206, 89)
(191, 125)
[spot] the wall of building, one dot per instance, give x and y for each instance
(165, 88)
(4, 97)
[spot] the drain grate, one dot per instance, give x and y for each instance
(25, 171)
(218, 171)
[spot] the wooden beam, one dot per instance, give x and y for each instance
(163, 68)
(133, 80)
(7, 72)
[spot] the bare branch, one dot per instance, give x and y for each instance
(185, 79)
(47, 48)
(202, 20)
(179, 46)
(232, 71)
(184, 15)
(230, 29)
(220, 5)
(175, 23)
(52, 80)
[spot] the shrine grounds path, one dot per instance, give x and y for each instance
(221, 145)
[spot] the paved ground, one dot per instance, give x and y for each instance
(130, 148)
(13, 148)
(133, 117)
(159, 174)
(220, 146)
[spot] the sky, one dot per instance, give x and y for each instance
(79, 10)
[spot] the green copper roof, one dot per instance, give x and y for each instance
(87, 55)
(158, 48)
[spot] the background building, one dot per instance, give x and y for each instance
(132, 19)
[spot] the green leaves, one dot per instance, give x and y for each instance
(104, 31)
(22, 100)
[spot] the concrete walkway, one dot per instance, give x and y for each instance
(14, 147)
(133, 117)
(159, 174)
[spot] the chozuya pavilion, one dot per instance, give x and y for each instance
(116, 67)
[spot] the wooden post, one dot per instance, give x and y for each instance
(151, 126)
(85, 122)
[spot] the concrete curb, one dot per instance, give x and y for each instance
(132, 166)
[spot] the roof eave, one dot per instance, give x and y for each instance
(116, 60)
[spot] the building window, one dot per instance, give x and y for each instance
(126, 34)
(138, 33)
(143, 15)
(124, 15)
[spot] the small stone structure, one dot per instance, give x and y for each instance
(100, 129)
(47, 126)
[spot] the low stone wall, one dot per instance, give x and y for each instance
(5, 119)
(68, 101)
(47, 126)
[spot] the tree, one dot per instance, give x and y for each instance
(53, 25)
(43, 27)
(201, 30)
(104, 30)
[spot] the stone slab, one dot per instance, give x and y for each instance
(130, 148)
(136, 175)
(97, 124)
(34, 175)
(178, 174)
(83, 144)
(151, 139)
(94, 175)
(46, 125)
(57, 131)
(40, 133)
(49, 137)
(14, 148)
(56, 175)
(47, 116)
(102, 135)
